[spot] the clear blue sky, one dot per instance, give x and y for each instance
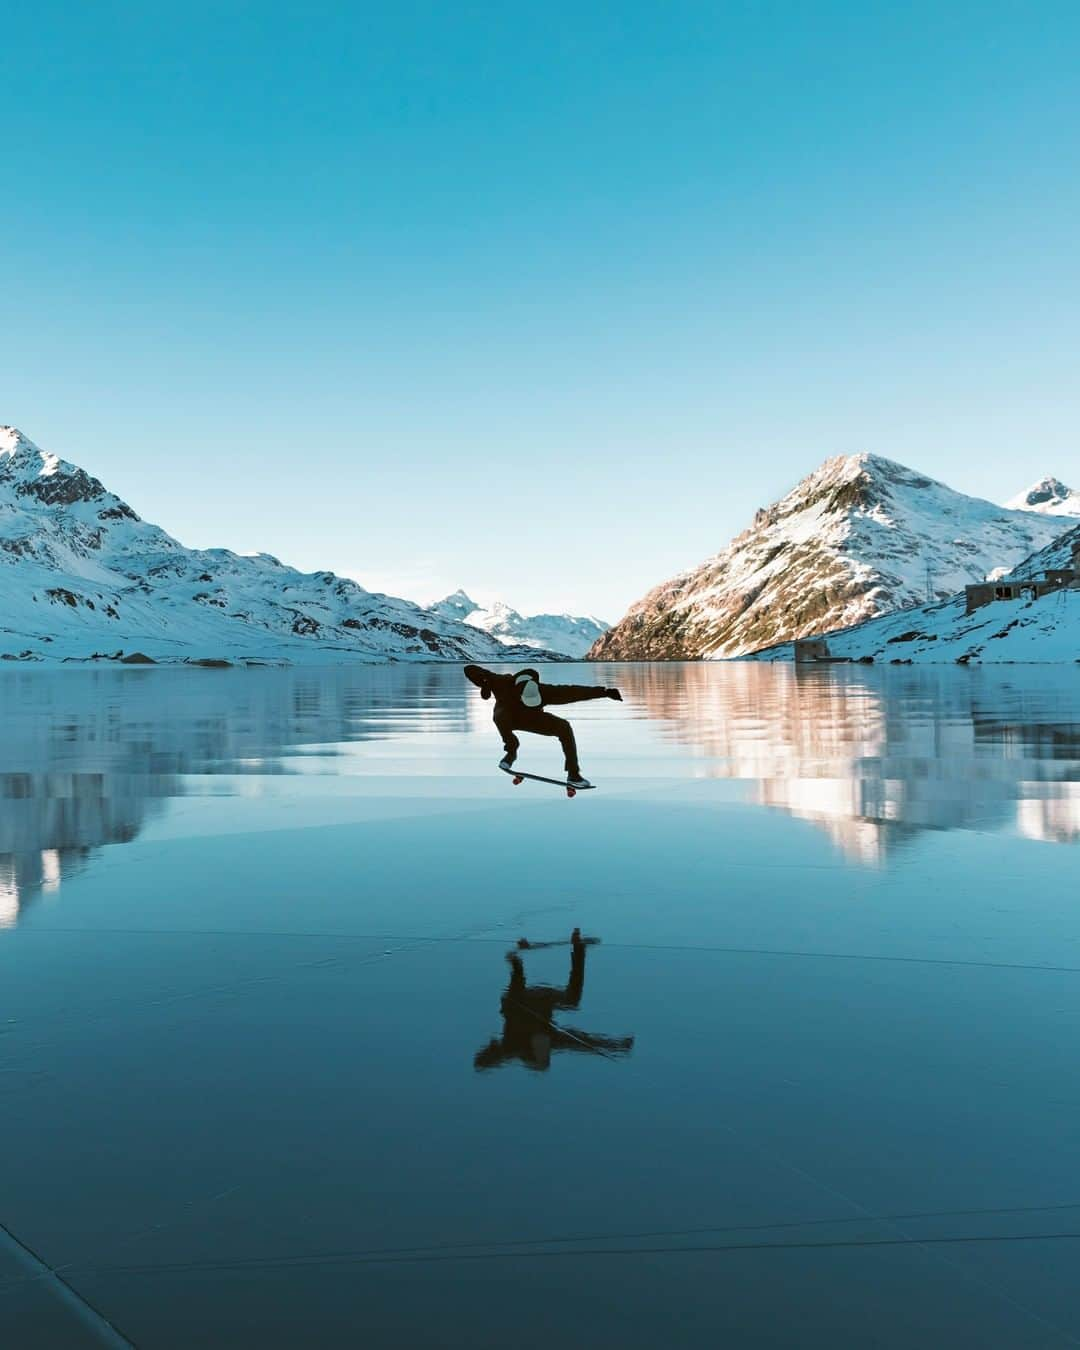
(540, 299)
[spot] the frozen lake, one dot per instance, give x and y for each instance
(267, 1078)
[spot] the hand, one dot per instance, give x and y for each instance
(614, 693)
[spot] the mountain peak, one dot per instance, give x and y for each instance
(12, 441)
(567, 634)
(23, 460)
(458, 606)
(1049, 496)
(849, 468)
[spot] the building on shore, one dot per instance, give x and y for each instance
(1023, 588)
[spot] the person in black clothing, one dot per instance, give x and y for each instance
(519, 706)
(529, 1033)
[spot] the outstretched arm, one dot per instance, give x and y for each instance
(576, 693)
(489, 681)
(485, 680)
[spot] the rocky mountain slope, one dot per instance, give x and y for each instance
(568, 634)
(81, 575)
(1060, 552)
(1049, 496)
(861, 536)
(1042, 630)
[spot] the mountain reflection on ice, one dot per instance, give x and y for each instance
(874, 756)
(88, 758)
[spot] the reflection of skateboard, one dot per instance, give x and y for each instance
(518, 776)
(524, 945)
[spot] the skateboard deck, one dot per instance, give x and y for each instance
(518, 776)
(524, 945)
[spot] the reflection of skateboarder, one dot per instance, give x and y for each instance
(520, 701)
(529, 1034)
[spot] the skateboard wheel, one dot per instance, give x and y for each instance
(518, 782)
(571, 792)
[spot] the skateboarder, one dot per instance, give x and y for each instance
(519, 706)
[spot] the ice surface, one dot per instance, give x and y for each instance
(257, 929)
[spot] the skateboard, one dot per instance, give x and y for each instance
(519, 777)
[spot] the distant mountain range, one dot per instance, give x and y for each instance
(568, 634)
(861, 536)
(83, 576)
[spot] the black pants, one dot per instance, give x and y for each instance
(509, 720)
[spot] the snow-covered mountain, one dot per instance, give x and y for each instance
(457, 606)
(568, 634)
(1060, 552)
(82, 575)
(1049, 496)
(860, 536)
(1046, 629)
